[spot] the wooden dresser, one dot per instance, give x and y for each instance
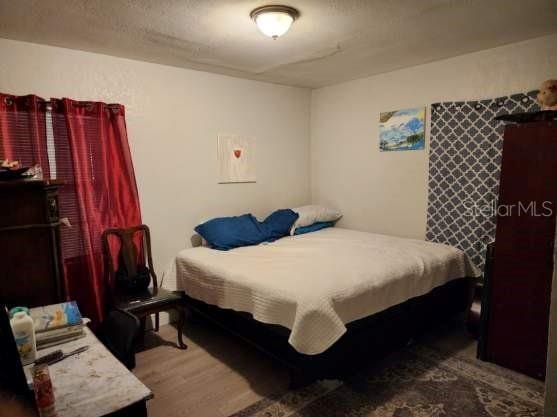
(516, 306)
(30, 256)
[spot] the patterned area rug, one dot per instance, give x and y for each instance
(420, 382)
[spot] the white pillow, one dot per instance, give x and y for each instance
(313, 214)
(198, 240)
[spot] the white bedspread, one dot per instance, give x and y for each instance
(314, 284)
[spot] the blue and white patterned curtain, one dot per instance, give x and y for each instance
(464, 167)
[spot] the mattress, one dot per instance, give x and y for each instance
(314, 284)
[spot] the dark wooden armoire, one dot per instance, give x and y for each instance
(30, 256)
(518, 285)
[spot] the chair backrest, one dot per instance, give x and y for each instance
(129, 250)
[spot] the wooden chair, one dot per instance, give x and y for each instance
(150, 301)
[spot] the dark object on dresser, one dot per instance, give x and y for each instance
(516, 307)
(144, 302)
(30, 255)
(12, 173)
(119, 332)
(365, 340)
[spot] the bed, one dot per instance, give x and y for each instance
(311, 299)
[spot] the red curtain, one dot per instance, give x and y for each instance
(103, 187)
(23, 130)
(91, 156)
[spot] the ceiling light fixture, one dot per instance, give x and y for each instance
(274, 20)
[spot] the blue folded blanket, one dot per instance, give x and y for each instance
(313, 227)
(224, 233)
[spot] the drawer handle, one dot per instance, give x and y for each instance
(52, 207)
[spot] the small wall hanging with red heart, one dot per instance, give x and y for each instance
(236, 159)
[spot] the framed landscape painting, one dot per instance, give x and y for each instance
(402, 130)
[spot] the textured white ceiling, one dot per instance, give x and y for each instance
(333, 41)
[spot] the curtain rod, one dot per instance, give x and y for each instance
(53, 103)
(84, 103)
(9, 101)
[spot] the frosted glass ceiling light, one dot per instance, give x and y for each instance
(275, 20)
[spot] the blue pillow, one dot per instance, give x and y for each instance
(278, 224)
(224, 233)
(313, 227)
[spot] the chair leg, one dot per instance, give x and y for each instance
(180, 325)
(157, 322)
(142, 326)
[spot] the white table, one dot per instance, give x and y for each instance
(94, 383)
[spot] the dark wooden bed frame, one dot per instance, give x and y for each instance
(366, 339)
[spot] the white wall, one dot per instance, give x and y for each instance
(386, 192)
(173, 117)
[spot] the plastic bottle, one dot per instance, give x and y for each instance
(23, 329)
